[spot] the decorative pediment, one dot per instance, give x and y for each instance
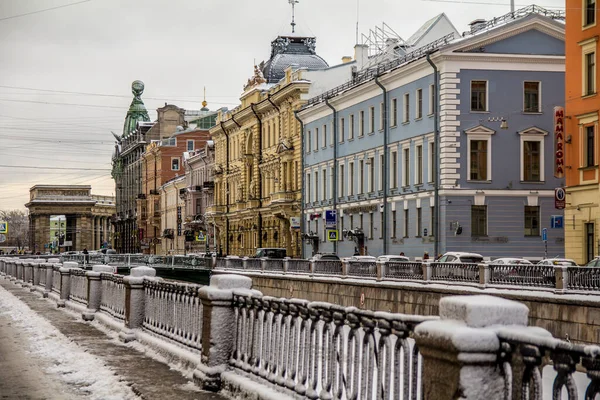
(479, 130)
(284, 145)
(533, 131)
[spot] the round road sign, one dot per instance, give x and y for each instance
(2, 238)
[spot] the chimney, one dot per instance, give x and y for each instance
(361, 55)
(477, 25)
(346, 59)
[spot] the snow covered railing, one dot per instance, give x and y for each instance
(79, 286)
(252, 264)
(56, 280)
(455, 272)
(524, 351)
(360, 268)
(113, 296)
(328, 267)
(136, 260)
(276, 265)
(321, 350)
(173, 311)
(522, 275)
(582, 278)
(403, 270)
(298, 266)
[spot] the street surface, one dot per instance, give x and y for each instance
(47, 353)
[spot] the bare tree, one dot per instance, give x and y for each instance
(18, 228)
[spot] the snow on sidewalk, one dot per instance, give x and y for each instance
(64, 359)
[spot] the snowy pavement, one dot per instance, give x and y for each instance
(47, 353)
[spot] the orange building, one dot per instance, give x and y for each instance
(582, 106)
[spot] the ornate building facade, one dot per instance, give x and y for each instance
(258, 154)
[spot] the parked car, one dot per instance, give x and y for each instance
(108, 251)
(595, 263)
(510, 261)
(362, 258)
(392, 258)
(325, 257)
(557, 262)
(270, 253)
(461, 258)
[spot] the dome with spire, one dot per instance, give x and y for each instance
(289, 50)
(137, 110)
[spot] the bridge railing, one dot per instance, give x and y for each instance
(113, 296)
(173, 311)
(362, 268)
(522, 275)
(79, 286)
(586, 279)
(403, 270)
(298, 266)
(328, 267)
(455, 272)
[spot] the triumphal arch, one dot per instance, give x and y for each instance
(69, 217)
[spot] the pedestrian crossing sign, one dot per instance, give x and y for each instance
(332, 235)
(201, 237)
(3, 227)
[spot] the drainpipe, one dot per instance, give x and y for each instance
(436, 144)
(259, 159)
(226, 190)
(302, 189)
(335, 156)
(386, 162)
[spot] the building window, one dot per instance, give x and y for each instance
(371, 226)
(406, 108)
(419, 160)
(478, 220)
(394, 116)
(371, 119)
(532, 161)
(175, 164)
(431, 99)
(316, 139)
(361, 123)
(351, 127)
(590, 135)
(342, 227)
(342, 129)
(341, 180)
(589, 12)
(308, 197)
(419, 222)
(432, 210)
(381, 225)
(371, 164)
(419, 110)
(394, 169)
(394, 224)
(324, 185)
(351, 179)
(531, 92)
(590, 73)
(532, 221)
(361, 186)
(324, 136)
(381, 110)
(308, 140)
(478, 170)
(316, 186)
(405, 223)
(406, 175)
(381, 171)
(479, 96)
(190, 145)
(362, 222)
(431, 172)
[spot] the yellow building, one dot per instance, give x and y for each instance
(172, 215)
(258, 154)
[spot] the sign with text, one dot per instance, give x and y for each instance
(559, 142)
(295, 222)
(545, 234)
(559, 198)
(556, 221)
(330, 218)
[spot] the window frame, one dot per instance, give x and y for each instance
(187, 144)
(539, 98)
(525, 219)
(586, 147)
(485, 220)
(371, 175)
(419, 222)
(406, 109)
(177, 159)
(431, 99)
(351, 127)
(587, 49)
(584, 14)
(361, 176)
(351, 178)
(431, 155)
(316, 139)
(419, 104)
(324, 144)
(394, 113)
(371, 119)
(394, 180)
(419, 164)
(381, 122)
(361, 123)
(406, 223)
(480, 133)
(309, 142)
(532, 135)
(342, 129)
(487, 97)
(342, 177)
(406, 166)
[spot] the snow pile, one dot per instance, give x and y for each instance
(68, 361)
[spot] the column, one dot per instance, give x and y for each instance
(105, 230)
(83, 232)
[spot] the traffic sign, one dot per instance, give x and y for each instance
(559, 198)
(295, 222)
(3, 227)
(201, 237)
(2, 238)
(556, 221)
(330, 218)
(545, 234)
(332, 235)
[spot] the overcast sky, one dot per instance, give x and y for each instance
(98, 47)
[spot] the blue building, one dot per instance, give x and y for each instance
(484, 102)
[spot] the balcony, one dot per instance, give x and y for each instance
(141, 196)
(282, 197)
(154, 192)
(214, 209)
(207, 185)
(169, 233)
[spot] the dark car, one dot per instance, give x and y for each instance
(325, 257)
(270, 253)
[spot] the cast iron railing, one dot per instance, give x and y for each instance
(404, 270)
(455, 272)
(79, 287)
(522, 275)
(113, 296)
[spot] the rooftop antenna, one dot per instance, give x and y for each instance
(357, 4)
(204, 103)
(293, 3)
(512, 6)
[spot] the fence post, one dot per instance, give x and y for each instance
(561, 278)
(312, 268)
(65, 281)
(345, 268)
(464, 360)
(94, 290)
(381, 266)
(263, 265)
(35, 274)
(426, 271)
(218, 327)
(286, 265)
(484, 274)
(134, 301)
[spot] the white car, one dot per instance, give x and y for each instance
(362, 258)
(510, 261)
(457, 257)
(392, 258)
(558, 262)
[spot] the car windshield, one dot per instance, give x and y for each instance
(564, 263)
(397, 259)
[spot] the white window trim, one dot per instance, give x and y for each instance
(418, 233)
(405, 103)
(394, 113)
(341, 171)
(381, 109)
(532, 135)
(361, 123)
(351, 127)
(405, 174)
(361, 176)
(324, 184)
(431, 93)
(394, 174)
(371, 119)
(589, 46)
(324, 135)
(187, 144)
(178, 164)
(583, 14)
(316, 140)
(431, 150)
(480, 133)
(539, 111)
(316, 188)
(487, 95)
(417, 164)
(350, 185)
(341, 129)
(309, 140)
(381, 171)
